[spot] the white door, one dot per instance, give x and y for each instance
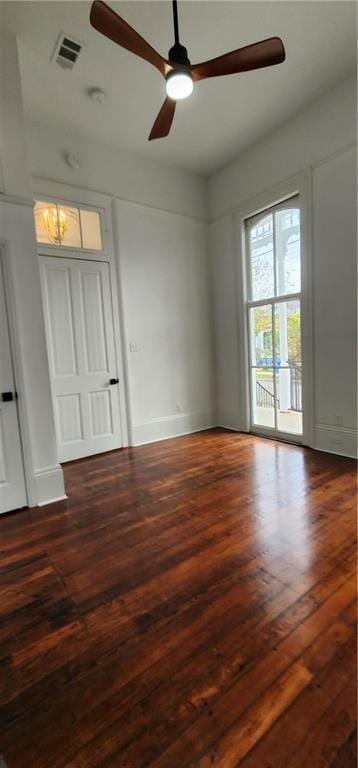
(12, 481)
(80, 338)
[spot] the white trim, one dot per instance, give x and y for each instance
(299, 184)
(282, 205)
(51, 501)
(18, 373)
(229, 420)
(307, 334)
(176, 425)
(241, 321)
(334, 155)
(14, 200)
(274, 300)
(67, 190)
(234, 207)
(102, 203)
(345, 430)
(49, 485)
(341, 441)
(277, 434)
(125, 336)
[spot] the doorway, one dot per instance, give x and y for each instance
(82, 357)
(273, 247)
(12, 476)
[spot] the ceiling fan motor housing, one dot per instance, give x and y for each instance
(178, 54)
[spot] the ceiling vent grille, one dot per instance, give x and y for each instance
(67, 51)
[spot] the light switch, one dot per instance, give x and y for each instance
(133, 347)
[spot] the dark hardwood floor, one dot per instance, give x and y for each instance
(191, 605)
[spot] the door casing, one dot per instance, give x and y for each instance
(301, 185)
(273, 302)
(57, 192)
(21, 480)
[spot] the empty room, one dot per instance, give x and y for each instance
(178, 384)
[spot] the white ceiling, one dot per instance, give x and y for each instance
(224, 115)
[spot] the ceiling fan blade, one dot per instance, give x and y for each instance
(106, 21)
(263, 54)
(164, 120)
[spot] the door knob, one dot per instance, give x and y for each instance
(114, 381)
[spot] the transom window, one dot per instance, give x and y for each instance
(68, 226)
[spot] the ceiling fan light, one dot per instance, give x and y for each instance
(179, 85)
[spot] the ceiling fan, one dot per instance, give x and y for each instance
(179, 74)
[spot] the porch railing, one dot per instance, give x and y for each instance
(266, 399)
(296, 388)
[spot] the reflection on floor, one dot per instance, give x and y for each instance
(287, 421)
(191, 604)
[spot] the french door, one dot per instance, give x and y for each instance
(83, 367)
(273, 246)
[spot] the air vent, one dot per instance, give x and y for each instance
(67, 51)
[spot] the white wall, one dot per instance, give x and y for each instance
(167, 311)
(44, 475)
(163, 261)
(116, 172)
(165, 273)
(321, 138)
(335, 302)
(14, 175)
(326, 126)
(227, 358)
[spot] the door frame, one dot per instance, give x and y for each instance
(273, 301)
(56, 192)
(301, 185)
(14, 339)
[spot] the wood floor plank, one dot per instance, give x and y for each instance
(253, 679)
(192, 603)
(330, 734)
(241, 737)
(346, 756)
(338, 663)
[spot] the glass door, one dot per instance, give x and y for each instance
(274, 320)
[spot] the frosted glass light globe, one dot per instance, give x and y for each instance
(179, 85)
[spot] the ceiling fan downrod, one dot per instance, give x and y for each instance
(178, 54)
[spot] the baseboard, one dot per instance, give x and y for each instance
(49, 484)
(229, 420)
(164, 428)
(333, 439)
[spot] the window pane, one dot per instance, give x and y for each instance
(261, 336)
(91, 230)
(46, 222)
(263, 397)
(287, 251)
(262, 259)
(289, 395)
(69, 225)
(287, 333)
(288, 366)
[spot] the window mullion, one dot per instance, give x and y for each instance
(273, 359)
(275, 300)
